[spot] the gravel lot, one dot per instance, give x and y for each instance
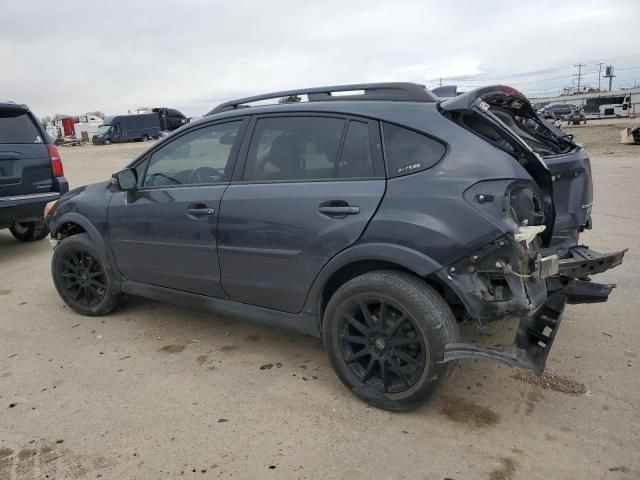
(154, 391)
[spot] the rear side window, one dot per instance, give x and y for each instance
(408, 151)
(18, 128)
(294, 148)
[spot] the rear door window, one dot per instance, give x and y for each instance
(408, 152)
(18, 128)
(294, 148)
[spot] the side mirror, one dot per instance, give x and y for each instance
(127, 179)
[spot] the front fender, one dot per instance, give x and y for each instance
(405, 257)
(55, 224)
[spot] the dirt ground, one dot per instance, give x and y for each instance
(154, 391)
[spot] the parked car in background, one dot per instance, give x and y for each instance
(127, 128)
(31, 173)
(561, 110)
(170, 118)
(577, 117)
(378, 219)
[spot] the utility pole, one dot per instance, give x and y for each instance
(579, 65)
(440, 81)
(599, 73)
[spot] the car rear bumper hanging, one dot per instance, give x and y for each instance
(533, 341)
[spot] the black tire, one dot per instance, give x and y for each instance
(107, 142)
(145, 138)
(80, 278)
(423, 324)
(29, 231)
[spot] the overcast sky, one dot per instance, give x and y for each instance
(77, 56)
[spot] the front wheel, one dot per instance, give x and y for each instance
(385, 334)
(107, 142)
(80, 277)
(29, 231)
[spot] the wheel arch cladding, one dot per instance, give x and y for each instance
(360, 259)
(80, 224)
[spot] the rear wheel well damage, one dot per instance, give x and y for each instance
(355, 269)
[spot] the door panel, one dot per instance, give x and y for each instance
(157, 240)
(164, 233)
(273, 240)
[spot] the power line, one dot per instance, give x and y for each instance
(579, 75)
(535, 73)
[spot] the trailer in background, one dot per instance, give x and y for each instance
(66, 126)
(87, 127)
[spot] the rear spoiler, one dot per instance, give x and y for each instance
(13, 107)
(445, 91)
(505, 94)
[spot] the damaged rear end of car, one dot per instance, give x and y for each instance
(484, 216)
(571, 179)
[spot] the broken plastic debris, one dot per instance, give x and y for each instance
(528, 233)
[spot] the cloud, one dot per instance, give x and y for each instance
(77, 56)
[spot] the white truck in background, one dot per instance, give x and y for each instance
(89, 124)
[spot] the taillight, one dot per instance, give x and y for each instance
(508, 90)
(56, 161)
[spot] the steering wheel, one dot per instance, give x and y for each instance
(205, 175)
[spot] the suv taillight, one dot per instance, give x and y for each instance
(56, 161)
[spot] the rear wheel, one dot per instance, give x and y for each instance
(107, 142)
(145, 138)
(80, 278)
(385, 334)
(29, 231)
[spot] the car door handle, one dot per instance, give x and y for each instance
(200, 211)
(338, 208)
(349, 210)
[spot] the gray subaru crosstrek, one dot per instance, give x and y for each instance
(376, 216)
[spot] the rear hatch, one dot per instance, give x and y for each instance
(568, 163)
(25, 165)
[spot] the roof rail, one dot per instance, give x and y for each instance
(391, 91)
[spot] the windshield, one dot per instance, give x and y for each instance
(104, 129)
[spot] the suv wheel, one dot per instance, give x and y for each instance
(145, 138)
(107, 142)
(80, 278)
(385, 334)
(29, 231)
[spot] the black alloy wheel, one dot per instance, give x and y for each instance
(83, 278)
(384, 333)
(381, 345)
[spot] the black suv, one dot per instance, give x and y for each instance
(378, 219)
(31, 173)
(563, 111)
